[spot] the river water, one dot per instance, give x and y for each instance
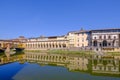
(43, 66)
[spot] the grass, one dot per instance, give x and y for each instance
(70, 52)
(62, 52)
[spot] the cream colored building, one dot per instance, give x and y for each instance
(105, 39)
(72, 39)
(78, 38)
(45, 43)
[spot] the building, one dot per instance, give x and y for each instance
(82, 38)
(46, 43)
(106, 39)
(71, 37)
(79, 38)
(103, 39)
(98, 40)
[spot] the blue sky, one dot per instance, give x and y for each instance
(32, 18)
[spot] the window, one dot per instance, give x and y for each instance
(100, 37)
(109, 44)
(82, 45)
(109, 37)
(95, 43)
(78, 40)
(114, 37)
(104, 43)
(104, 37)
(78, 44)
(94, 37)
(82, 39)
(100, 44)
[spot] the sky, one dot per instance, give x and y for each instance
(33, 18)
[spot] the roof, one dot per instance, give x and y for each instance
(106, 29)
(80, 31)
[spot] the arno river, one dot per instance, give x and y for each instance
(43, 66)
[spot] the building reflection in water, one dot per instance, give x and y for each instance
(91, 64)
(72, 62)
(82, 63)
(106, 64)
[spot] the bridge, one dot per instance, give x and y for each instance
(13, 44)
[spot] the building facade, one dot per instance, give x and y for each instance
(46, 43)
(79, 38)
(105, 39)
(102, 39)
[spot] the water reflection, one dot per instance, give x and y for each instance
(7, 52)
(105, 64)
(95, 65)
(91, 64)
(9, 58)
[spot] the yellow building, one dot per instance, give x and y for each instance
(78, 38)
(74, 39)
(45, 43)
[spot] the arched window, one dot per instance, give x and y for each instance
(38, 45)
(100, 44)
(53, 45)
(104, 43)
(60, 45)
(64, 45)
(47, 45)
(50, 45)
(95, 43)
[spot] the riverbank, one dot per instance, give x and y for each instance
(62, 52)
(72, 52)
